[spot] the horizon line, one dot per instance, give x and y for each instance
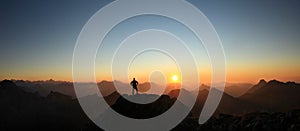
(200, 83)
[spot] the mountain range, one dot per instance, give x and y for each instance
(24, 106)
(107, 87)
(274, 95)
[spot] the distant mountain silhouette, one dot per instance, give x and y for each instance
(106, 87)
(260, 84)
(23, 110)
(27, 110)
(171, 86)
(228, 104)
(270, 106)
(112, 98)
(7, 85)
(237, 89)
(232, 89)
(144, 87)
(43, 88)
(265, 96)
(274, 95)
(174, 93)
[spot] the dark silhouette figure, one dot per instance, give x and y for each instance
(134, 85)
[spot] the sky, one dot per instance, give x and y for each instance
(260, 38)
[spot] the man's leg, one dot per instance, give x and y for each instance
(132, 91)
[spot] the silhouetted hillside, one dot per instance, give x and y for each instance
(259, 85)
(275, 95)
(106, 87)
(144, 87)
(23, 110)
(237, 89)
(137, 111)
(43, 88)
(254, 111)
(228, 104)
(232, 89)
(143, 111)
(256, 121)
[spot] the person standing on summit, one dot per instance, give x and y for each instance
(134, 85)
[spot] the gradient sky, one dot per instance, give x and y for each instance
(260, 38)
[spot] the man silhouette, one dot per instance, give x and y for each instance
(134, 85)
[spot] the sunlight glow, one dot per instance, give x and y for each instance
(174, 78)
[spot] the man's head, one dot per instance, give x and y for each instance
(133, 78)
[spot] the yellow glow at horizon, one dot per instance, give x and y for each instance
(174, 78)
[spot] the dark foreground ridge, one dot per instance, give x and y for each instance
(248, 122)
(256, 121)
(23, 110)
(143, 111)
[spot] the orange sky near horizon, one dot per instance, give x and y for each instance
(248, 71)
(235, 74)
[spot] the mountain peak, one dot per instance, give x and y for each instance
(259, 85)
(204, 87)
(7, 84)
(262, 81)
(291, 83)
(274, 82)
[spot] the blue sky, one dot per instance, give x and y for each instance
(37, 38)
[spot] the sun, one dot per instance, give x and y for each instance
(174, 78)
